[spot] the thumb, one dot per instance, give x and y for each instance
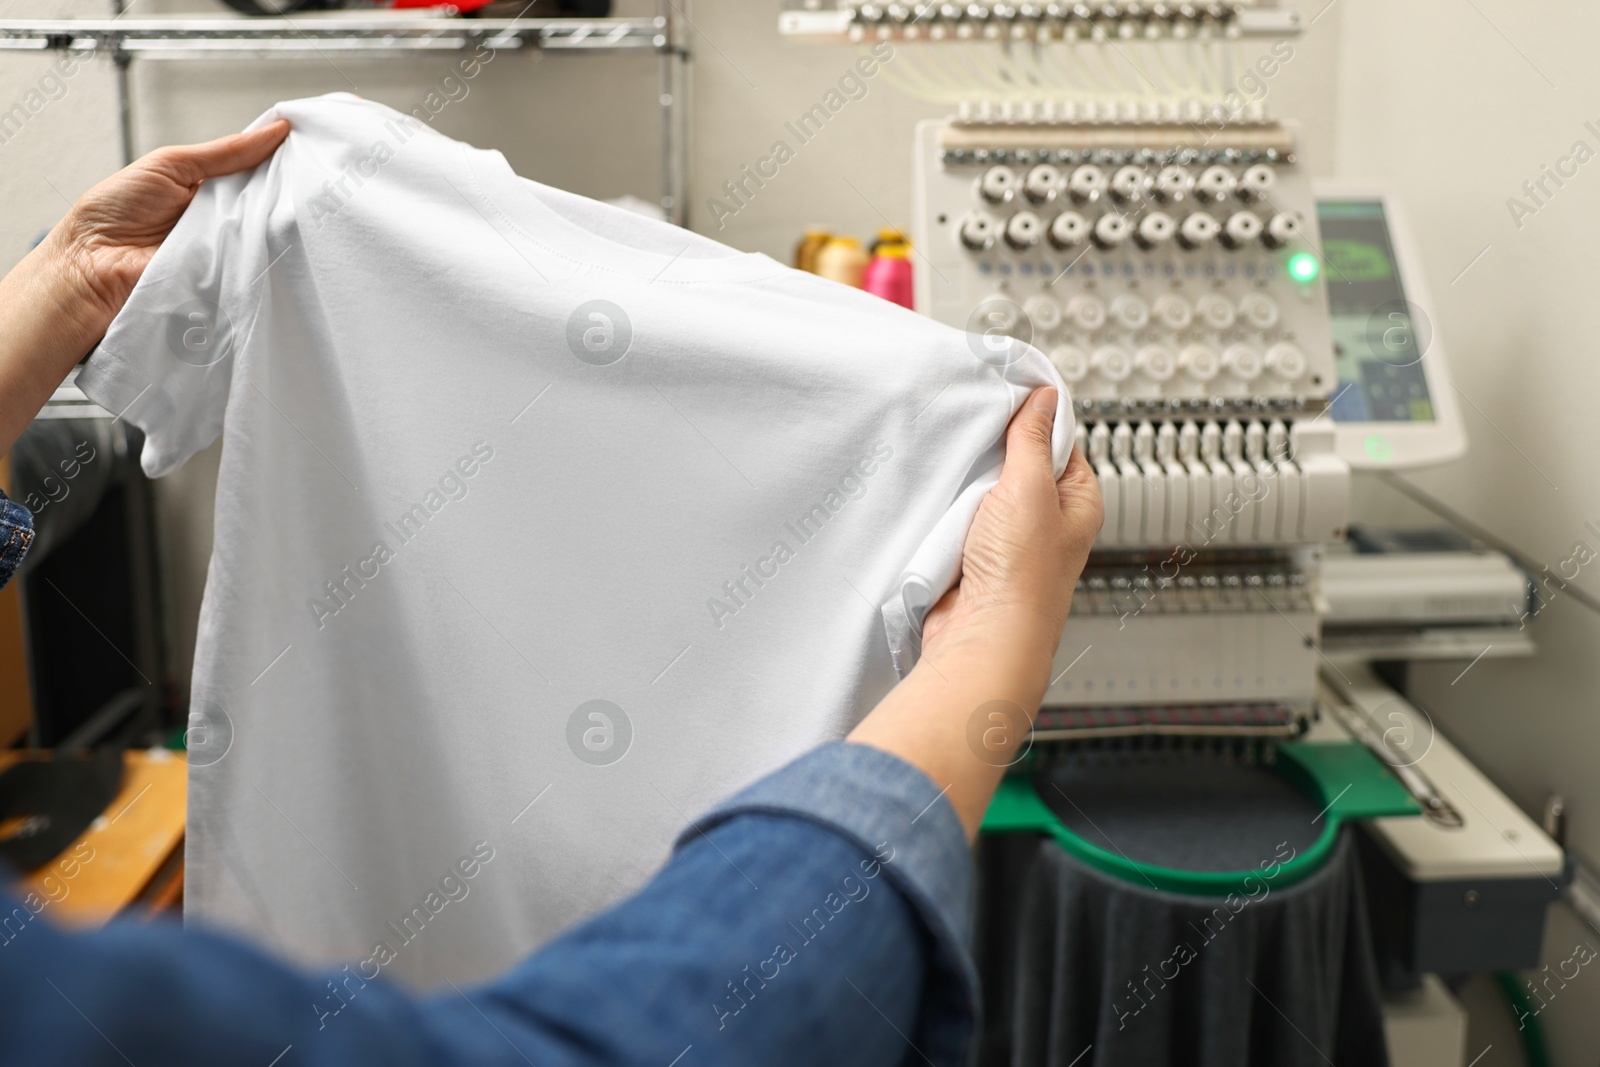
(226, 155)
(1028, 437)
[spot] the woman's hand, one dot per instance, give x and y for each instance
(111, 233)
(1027, 546)
(988, 644)
(57, 302)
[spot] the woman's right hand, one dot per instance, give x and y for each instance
(988, 644)
(1027, 545)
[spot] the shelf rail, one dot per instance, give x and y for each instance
(314, 37)
(177, 38)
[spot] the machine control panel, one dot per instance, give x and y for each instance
(1170, 273)
(1151, 269)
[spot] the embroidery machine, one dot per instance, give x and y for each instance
(1237, 340)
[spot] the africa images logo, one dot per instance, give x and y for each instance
(199, 333)
(599, 332)
(599, 732)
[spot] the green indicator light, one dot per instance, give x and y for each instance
(1303, 267)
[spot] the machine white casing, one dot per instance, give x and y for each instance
(1424, 605)
(1495, 840)
(1423, 589)
(1235, 653)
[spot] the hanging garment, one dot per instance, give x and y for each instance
(540, 527)
(1082, 968)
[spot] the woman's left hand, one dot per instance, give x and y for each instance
(59, 301)
(108, 238)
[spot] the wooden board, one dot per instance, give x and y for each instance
(111, 863)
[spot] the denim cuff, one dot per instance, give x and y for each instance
(16, 534)
(880, 802)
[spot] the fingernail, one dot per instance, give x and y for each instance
(1044, 400)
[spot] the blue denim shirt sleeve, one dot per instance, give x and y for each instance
(895, 812)
(778, 933)
(16, 534)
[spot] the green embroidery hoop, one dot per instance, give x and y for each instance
(1344, 776)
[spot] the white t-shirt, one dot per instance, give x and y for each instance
(540, 528)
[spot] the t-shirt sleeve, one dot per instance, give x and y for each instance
(167, 362)
(936, 565)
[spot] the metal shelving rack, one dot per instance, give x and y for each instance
(124, 39)
(321, 37)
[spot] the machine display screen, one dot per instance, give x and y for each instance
(1379, 338)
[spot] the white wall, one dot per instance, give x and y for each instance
(65, 147)
(1456, 105)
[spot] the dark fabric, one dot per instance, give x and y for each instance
(1082, 969)
(1192, 811)
(54, 800)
